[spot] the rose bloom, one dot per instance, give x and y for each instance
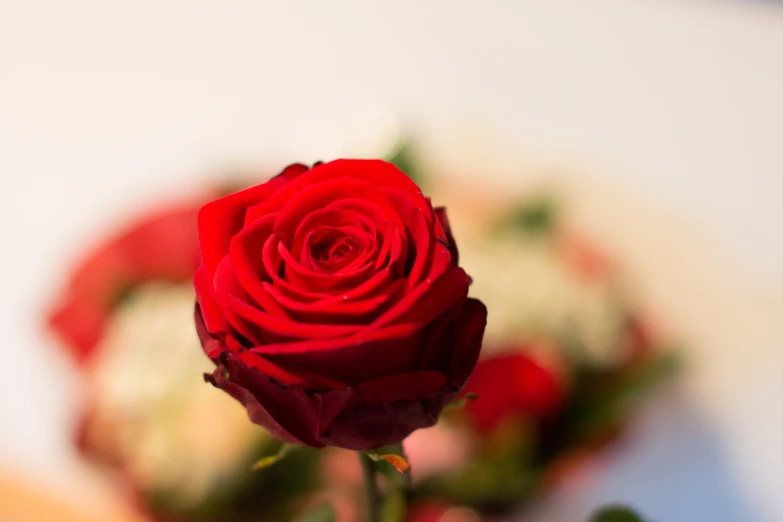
(333, 305)
(126, 316)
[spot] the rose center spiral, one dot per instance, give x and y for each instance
(332, 251)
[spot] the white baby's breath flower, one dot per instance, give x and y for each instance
(151, 408)
(533, 293)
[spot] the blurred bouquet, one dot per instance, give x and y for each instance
(181, 449)
(567, 359)
(567, 356)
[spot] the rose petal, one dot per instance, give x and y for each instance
(220, 220)
(268, 404)
(378, 172)
(211, 345)
(368, 354)
(419, 232)
(403, 386)
(329, 217)
(311, 382)
(436, 354)
(428, 300)
(214, 319)
(276, 329)
(349, 422)
(319, 195)
(443, 219)
(371, 287)
(468, 334)
(300, 276)
(340, 309)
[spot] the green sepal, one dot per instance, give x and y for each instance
(269, 460)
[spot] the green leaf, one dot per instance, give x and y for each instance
(616, 514)
(462, 401)
(323, 513)
(622, 394)
(270, 460)
(402, 158)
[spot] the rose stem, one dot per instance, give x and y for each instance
(371, 488)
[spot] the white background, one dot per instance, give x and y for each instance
(662, 119)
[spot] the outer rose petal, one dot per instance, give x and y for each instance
(213, 316)
(259, 414)
(468, 335)
(372, 414)
(440, 213)
(219, 220)
(408, 386)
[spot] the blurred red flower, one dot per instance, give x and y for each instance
(512, 385)
(162, 246)
(441, 512)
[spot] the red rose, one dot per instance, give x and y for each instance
(511, 386)
(162, 246)
(331, 301)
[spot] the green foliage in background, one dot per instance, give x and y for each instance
(616, 514)
(273, 493)
(405, 159)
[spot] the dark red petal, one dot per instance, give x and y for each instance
(286, 413)
(369, 354)
(293, 171)
(439, 345)
(411, 386)
(210, 344)
(256, 362)
(468, 334)
(350, 422)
